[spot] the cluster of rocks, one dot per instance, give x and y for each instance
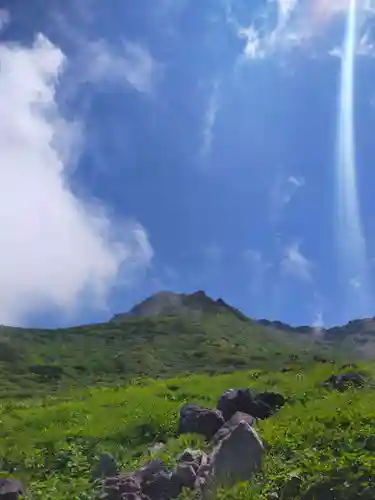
(236, 450)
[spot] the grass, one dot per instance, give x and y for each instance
(321, 443)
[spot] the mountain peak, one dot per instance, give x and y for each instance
(165, 303)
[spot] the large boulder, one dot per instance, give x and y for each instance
(261, 405)
(11, 489)
(197, 420)
(237, 457)
(343, 381)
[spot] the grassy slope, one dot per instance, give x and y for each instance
(320, 440)
(141, 347)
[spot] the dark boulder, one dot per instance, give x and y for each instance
(272, 399)
(260, 405)
(344, 381)
(11, 489)
(197, 420)
(154, 481)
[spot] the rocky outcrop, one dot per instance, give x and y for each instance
(197, 420)
(236, 452)
(258, 405)
(11, 489)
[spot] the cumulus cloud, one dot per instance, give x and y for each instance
(56, 249)
(131, 64)
(295, 264)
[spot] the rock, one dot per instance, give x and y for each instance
(123, 487)
(345, 380)
(272, 399)
(194, 458)
(197, 420)
(154, 481)
(232, 423)
(161, 486)
(237, 457)
(157, 482)
(185, 475)
(106, 467)
(260, 405)
(11, 489)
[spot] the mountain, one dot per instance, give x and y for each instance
(165, 335)
(179, 304)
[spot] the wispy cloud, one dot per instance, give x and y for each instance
(209, 119)
(4, 18)
(295, 264)
(130, 64)
(282, 193)
(56, 249)
(296, 24)
(258, 268)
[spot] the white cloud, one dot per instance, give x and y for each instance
(131, 64)
(210, 120)
(295, 264)
(56, 249)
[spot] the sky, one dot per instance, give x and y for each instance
(185, 145)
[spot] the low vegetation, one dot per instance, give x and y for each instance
(321, 443)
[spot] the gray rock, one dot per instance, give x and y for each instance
(186, 475)
(197, 420)
(107, 467)
(229, 426)
(161, 486)
(11, 489)
(237, 457)
(123, 487)
(195, 458)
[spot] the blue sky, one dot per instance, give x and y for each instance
(180, 145)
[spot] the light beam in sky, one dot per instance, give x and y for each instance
(351, 241)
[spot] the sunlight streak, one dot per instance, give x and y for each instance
(351, 241)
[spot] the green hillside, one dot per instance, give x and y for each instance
(33, 361)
